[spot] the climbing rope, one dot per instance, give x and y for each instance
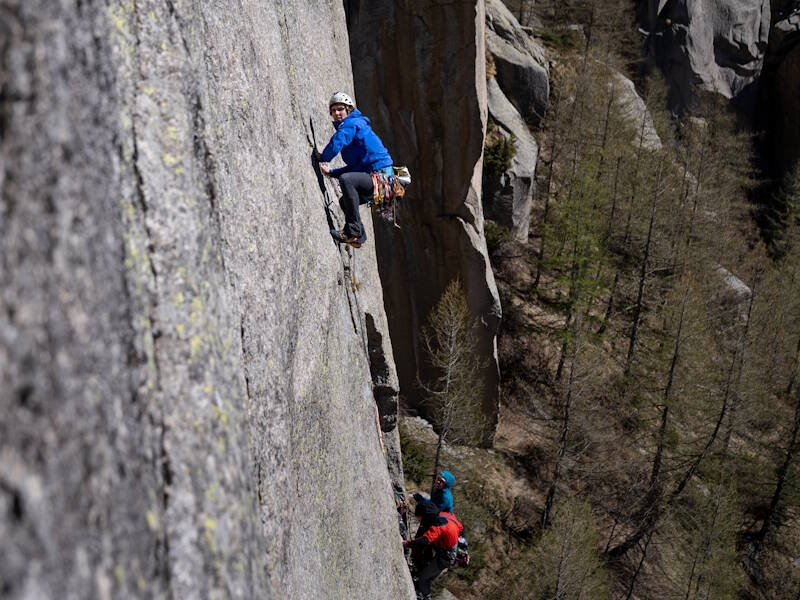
(349, 266)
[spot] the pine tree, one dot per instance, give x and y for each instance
(780, 216)
(567, 564)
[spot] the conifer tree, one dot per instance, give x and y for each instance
(450, 343)
(780, 216)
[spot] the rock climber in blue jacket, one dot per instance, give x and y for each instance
(363, 154)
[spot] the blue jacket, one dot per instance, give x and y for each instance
(443, 498)
(361, 148)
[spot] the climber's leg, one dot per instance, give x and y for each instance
(431, 571)
(354, 185)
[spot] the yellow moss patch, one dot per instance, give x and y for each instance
(170, 159)
(195, 345)
(119, 575)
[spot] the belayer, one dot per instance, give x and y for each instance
(434, 550)
(442, 496)
(363, 154)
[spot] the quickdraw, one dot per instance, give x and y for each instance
(385, 191)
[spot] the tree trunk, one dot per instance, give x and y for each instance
(562, 447)
(758, 542)
(610, 225)
(548, 191)
(637, 314)
(610, 306)
(604, 140)
(436, 463)
(730, 391)
(639, 153)
(639, 566)
(571, 299)
(650, 512)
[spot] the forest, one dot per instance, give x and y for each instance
(649, 349)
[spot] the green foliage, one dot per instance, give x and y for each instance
(496, 235)
(564, 563)
(498, 151)
(688, 445)
(709, 564)
(779, 217)
(417, 463)
(563, 40)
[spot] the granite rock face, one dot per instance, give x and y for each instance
(713, 45)
(520, 62)
(419, 71)
(508, 197)
(633, 110)
(187, 406)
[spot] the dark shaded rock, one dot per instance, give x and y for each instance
(419, 73)
(186, 400)
(781, 99)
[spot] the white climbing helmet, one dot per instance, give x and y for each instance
(341, 98)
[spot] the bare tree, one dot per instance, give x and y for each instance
(450, 342)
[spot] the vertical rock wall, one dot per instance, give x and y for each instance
(420, 75)
(185, 400)
(713, 45)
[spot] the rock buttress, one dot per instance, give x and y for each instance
(420, 75)
(714, 45)
(186, 405)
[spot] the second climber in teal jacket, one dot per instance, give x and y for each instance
(442, 496)
(363, 154)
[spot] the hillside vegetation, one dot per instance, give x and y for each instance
(649, 352)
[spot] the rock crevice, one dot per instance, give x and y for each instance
(420, 75)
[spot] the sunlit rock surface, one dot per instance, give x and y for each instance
(185, 393)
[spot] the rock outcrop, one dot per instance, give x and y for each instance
(520, 62)
(634, 112)
(714, 45)
(508, 196)
(420, 75)
(185, 392)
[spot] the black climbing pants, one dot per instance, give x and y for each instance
(439, 563)
(354, 185)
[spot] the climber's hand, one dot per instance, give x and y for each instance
(326, 170)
